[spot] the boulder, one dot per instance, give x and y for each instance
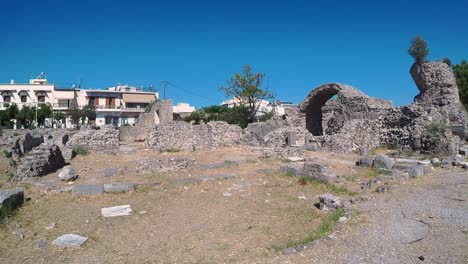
(69, 240)
(9, 201)
(321, 172)
(383, 162)
(329, 202)
(68, 173)
(40, 161)
(365, 161)
(435, 162)
(416, 171)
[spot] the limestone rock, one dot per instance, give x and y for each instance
(40, 161)
(383, 162)
(9, 201)
(121, 210)
(365, 161)
(435, 162)
(329, 202)
(68, 173)
(416, 171)
(69, 240)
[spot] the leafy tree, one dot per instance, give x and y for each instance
(75, 114)
(6, 116)
(88, 112)
(461, 75)
(246, 88)
(26, 116)
(44, 111)
(59, 116)
(12, 111)
(418, 49)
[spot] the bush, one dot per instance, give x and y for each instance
(80, 150)
(6, 154)
(418, 49)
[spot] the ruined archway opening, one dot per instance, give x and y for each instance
(314, 110)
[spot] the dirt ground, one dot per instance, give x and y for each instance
(233, 220)
(241, 219)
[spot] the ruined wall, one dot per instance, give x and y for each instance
(102, 140)
(164, 111)
(181, 135)
(133, 133)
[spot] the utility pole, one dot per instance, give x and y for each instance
(164, 89)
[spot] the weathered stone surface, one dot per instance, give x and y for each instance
(109, 172)
(310, 169)
(295, 159)
(121, 210)
(102, 140)
(295, 169)
(80, 190)
(69, 240)
(435, 162)
(9, 201)
(365, 161)
(364, 151)
(458, 160)
(68, 173)
(291, 138)
(424, 162)
(118, 187)
(162, 165)
(416, 171)
(329, 202)
(383, 162)
(40, 161)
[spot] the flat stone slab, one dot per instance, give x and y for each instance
(412, 161)
(114, 211)
(118, 187)
(218, 165)
(295, 159)
(69, 240)
(86, 190)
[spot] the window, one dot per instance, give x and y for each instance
(7, 98)
(41, 98)
(24, 98)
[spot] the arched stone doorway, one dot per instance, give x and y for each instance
(312, 106)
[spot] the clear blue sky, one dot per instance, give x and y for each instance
(199, 45)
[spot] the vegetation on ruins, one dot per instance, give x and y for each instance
(246, 88)
(26, 116)
(234, 115)
(44, 111)
(461, 75)
(418, 49)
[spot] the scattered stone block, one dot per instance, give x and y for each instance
(463, 151)
(435, 162)
(320, 172)
(121, 210)
(385, 171)
(40, 161)
(295, 159)
(313, 146)
(427, 169)
(9, 201)
(329, 202)
(118, 187)
(383, 162)
(84, 190)
(424, 162)
(69, 240)
(68, 173)
(109, 172)
(402, 167)
(416, 171)
(365, 161)
(458, 160)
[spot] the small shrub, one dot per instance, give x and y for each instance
(6, 154)
(80, 150)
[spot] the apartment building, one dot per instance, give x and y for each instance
(119, 105)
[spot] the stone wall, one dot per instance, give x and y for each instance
(181, 135)
(164, 111)
(133, 133)
(102, 140)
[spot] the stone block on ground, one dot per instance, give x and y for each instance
(9, 201)
(424, 162)
(329, 202)
(84, 190)
(120, 210)
(68, 173)
(435, 162)
(365, 161)
(69, 240)
(321, 172)
(383, 162)
(416, 171)
(118, 187)
(40, 161)
(109, 172)
(295, 169)
(295, 159)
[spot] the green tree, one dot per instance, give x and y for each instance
(26, 116)
(13, 111)
(418, 49)
(44, 111)
(246, 88)
(88, 112)
(461, 75)
(59, 116)
(75, 114)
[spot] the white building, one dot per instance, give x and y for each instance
(119, 105)
(183, 110)
(264, 107)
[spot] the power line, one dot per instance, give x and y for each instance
(190, 92)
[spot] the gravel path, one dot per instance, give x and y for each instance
(423, 221)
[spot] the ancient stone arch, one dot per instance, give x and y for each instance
(317, 98)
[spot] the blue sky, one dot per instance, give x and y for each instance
(199, 45)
